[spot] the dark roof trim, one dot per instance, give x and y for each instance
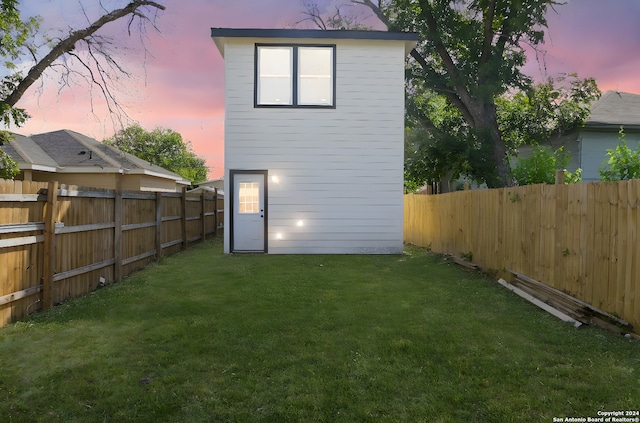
(609, 126)
(313, 33)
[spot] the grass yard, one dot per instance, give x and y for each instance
(204, 337)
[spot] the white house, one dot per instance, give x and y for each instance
(314, 138)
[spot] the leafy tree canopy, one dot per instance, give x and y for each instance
(163, 147)
(551, 108)
(469, 53)
(14, 41)
(440, 142)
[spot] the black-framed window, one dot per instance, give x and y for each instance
(295, 75)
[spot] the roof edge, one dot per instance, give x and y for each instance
(313, 33)
(605, 125)
(148, 172)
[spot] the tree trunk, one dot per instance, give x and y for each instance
(486, 120)
(500, 158)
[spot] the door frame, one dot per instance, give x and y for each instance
(232, 195)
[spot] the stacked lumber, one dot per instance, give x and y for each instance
(462, 262)
(571, 306)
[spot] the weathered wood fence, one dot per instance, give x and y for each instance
(582, 239)
(58, 243)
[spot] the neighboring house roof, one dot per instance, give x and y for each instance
(615, 109)
(214, 183)
(209, 190)
(66, 151)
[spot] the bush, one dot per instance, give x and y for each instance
(624, 163)
(541, 167)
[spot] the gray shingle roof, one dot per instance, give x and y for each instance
(64, 148)
(66, 151)
(615, 108)
(24, 150)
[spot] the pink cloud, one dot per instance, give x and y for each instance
(594, 39)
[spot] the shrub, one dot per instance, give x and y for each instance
(623, 163)
(541, 167)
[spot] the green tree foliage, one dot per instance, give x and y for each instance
(162, 147)
(16, 39)
(623, 163)
(551, 108)
(440, 140)
(8, 167)
(469, 53)
(541, 166)
(15, 35)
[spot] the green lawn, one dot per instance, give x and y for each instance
(204, 337)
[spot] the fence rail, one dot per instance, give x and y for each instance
(582, 239)
(58, 243)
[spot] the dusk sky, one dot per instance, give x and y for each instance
(179, 82)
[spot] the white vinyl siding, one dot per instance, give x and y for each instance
(339, 170)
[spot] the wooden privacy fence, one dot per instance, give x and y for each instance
(58, 243)
(581, 239)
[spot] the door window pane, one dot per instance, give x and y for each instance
(275, 67)
(248, 194)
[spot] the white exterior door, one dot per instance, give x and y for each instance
(249, 217)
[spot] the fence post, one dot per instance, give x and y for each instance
(560, 176)
(158, 225)
(117, 234)
(215, 212)
(202, 215)
(183, 207)
(49, 244)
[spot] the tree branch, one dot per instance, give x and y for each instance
(376, 9)
(455, 96)
(68, 44)
(487, 41)
(461, 98)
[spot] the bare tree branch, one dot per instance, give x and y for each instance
(67, 44)
(337, 20)
(376, 9)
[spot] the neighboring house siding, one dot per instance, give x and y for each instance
(150, 183)
(593, 149)
(339, 170)
(93, 180)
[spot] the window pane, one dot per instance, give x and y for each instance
(315, 76)
(248, 194)
(274, 75)
(275, 91)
